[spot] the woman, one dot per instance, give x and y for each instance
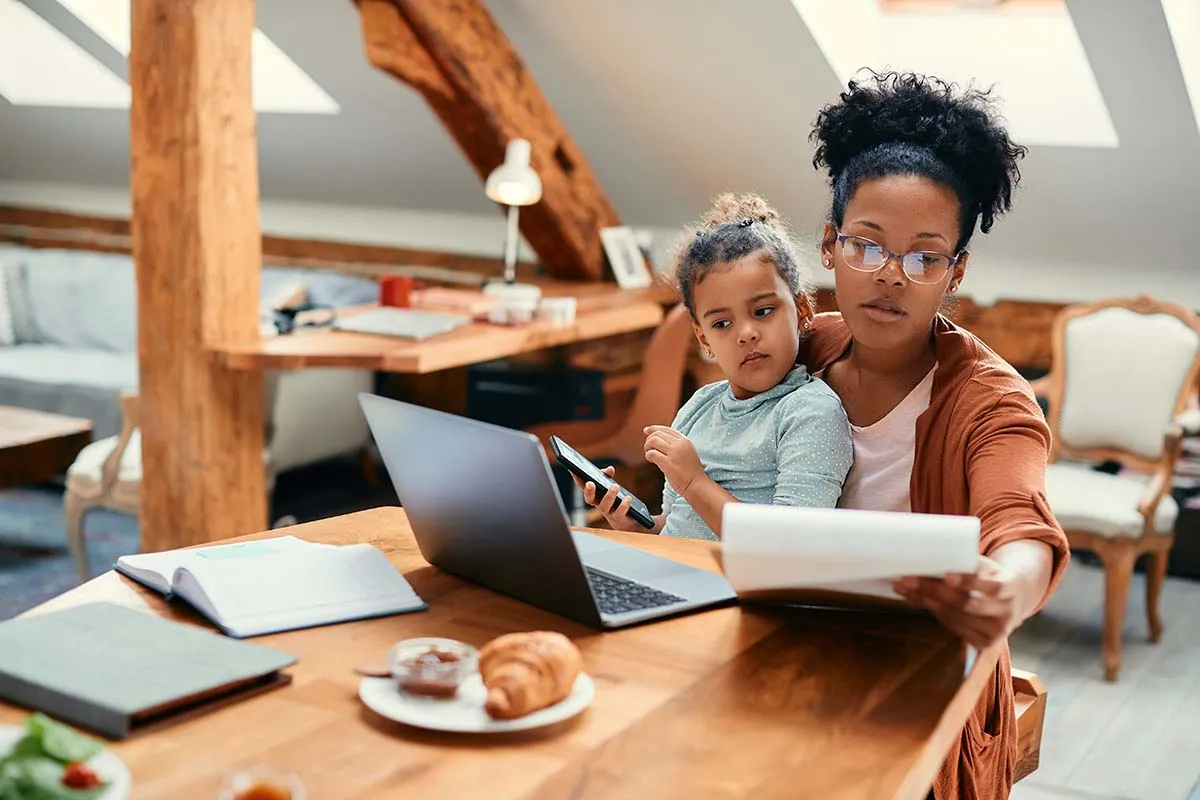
(940, 423)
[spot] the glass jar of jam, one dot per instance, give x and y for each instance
(432, 667)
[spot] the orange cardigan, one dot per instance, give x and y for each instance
(981, 450)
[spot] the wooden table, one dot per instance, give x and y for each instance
(36, 446)
(729, 703)
(602, 310)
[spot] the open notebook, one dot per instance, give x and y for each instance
(834, 556)
(271, 585)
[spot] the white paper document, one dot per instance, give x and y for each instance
(774, 550)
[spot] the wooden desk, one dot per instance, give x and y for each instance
(726, 703)
(602, 310)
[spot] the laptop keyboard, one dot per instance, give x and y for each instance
(619, 596)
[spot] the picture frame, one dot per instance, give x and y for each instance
(625, 257)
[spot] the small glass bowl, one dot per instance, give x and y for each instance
(263, 783)
(432, 667)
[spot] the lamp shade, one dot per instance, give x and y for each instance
(514, 183)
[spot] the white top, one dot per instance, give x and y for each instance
(883, 455)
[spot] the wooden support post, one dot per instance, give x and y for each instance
(453, 53)
(196, 243)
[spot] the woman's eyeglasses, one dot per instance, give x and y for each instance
(864, 255)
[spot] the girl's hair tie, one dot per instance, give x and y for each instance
(746, 223)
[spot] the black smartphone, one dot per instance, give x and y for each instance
(585, 470)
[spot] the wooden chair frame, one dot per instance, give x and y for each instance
(75, 507)
(1118, 554)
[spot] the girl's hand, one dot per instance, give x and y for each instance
(616, 511)
(674, 454)
(980, 608)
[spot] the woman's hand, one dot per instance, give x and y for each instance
(980, 608)
(615, 510)
(674, 454)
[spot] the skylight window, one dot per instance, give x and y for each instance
(1044, 85)
(39, 66)
(77, 79)
(1183, 20)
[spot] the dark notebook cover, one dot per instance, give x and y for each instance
(114, 670)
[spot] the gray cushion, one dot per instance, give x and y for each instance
(78, 383)
(325, 287)
(81, 299)
(16, 291)
(1089, 501)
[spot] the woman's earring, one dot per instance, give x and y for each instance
(807, 324)
(826, 261)
(708, 353)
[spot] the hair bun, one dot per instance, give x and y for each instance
(738, 208)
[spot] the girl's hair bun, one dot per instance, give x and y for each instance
(738, 208)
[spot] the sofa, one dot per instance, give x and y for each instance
(68, 345)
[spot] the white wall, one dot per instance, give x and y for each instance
(991, 276)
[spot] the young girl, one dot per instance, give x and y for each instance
(771, 432)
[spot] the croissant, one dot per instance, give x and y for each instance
(525, 672)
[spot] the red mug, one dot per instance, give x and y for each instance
(395, 290)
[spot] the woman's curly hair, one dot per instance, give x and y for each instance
(907, 124)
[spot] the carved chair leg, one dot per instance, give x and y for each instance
(1118, 558)
(1156, 573)
(74, 509)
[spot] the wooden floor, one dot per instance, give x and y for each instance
(1136, 738)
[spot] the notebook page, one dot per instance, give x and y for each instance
(300, 587)
(768, 548)
(158, 569)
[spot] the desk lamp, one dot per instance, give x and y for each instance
(514, 184)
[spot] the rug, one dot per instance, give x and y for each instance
(35, 563)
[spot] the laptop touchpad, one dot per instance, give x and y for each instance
(631, 563)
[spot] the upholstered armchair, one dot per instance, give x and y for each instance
(1121, 389)
(108, 474)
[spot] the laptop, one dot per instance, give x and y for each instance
(484, 506)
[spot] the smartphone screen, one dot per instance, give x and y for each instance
(589, 470)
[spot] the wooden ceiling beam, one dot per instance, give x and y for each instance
(454, 54)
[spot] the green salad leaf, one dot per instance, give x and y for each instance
(33, 768)
(40, 778)
(61, 742)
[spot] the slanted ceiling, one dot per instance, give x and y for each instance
(672, 101)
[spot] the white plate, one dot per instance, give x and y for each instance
(105, 763)
(464, 713)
